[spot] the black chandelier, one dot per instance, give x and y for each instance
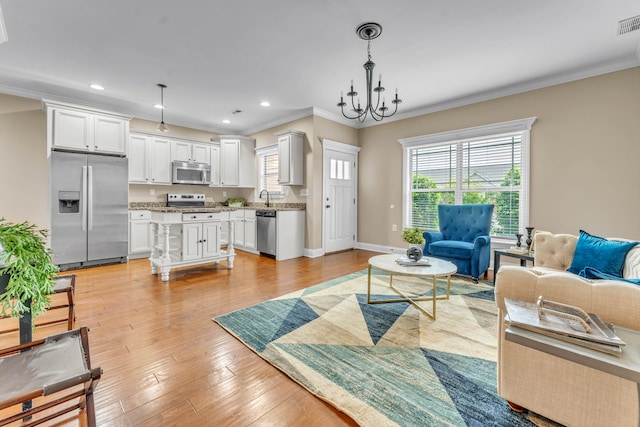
(368, 32)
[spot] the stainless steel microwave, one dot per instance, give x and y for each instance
(191, 173)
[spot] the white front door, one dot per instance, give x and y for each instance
(339, 196)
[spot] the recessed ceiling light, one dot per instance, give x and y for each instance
(226, 121)
(159, 106)
(96, 86)
(265, 103)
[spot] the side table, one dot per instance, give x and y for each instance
(627, 366)
(523, 257)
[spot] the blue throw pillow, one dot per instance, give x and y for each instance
(606, 256)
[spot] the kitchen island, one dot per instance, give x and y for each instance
(187, 231)
(186, 237)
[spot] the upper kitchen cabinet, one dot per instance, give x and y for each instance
(186, 151)
(76, 128)
(237, 161)
(215, 165)
(290, 160)
(149, 159)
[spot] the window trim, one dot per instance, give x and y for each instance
(268, 150)
(522, 126)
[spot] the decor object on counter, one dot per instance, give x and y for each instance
(162, 127)
(236, 202)
(529, 237)
(27, 263)
(578, 390)
(387, 364)
(463, 238)
(368, 32)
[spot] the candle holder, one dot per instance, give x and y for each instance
(529, 231)
(519, 237)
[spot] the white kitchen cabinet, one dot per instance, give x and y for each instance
(245, 230)
(237, 161)
(215, 165)
(290, 159)
(201, 240)
(75, 128)
(201, 153)
(149, 159)
(139, 234)
(290, 226)
(185, 151)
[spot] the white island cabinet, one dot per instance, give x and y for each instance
(183, 239)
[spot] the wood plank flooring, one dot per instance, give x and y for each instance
(167, 363)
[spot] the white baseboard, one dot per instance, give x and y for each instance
(380, 248)
(313, 253)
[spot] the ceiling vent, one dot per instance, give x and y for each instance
(628, 25)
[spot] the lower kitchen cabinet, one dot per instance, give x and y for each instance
(200, 240)
(290, 226)
(245, 230)
(139, 234)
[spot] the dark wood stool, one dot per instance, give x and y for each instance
(65, 284)
(58, 366)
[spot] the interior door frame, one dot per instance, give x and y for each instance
(328, 144)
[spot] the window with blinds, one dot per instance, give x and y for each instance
(492, 168)
(268, 172)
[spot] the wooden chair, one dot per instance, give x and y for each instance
(65, 284)
(58, 366)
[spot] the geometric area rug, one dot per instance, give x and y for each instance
(385, 364)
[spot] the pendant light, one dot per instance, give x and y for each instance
(162, 127)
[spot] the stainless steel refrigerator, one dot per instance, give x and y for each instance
(89, 209)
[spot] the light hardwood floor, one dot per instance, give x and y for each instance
(166, 362)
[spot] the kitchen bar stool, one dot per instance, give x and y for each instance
(65, 284)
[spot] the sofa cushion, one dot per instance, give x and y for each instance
(451, 249)
(606, 256)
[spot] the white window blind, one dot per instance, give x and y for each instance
(488, 164)
(268, 171)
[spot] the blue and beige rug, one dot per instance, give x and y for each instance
(385, 364)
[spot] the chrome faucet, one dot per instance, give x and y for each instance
(260, 196)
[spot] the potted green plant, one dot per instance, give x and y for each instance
(236, 202)
(26, 270)
(413, 236)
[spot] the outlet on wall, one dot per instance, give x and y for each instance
(152, 192)
(394, 227)
(224, 194)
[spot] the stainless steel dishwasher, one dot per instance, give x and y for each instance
(266, 224)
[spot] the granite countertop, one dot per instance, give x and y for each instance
(215, 207)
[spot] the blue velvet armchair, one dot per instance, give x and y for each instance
(463, 238)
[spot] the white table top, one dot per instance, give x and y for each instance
(388, 263)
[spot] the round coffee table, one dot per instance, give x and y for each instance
(388, 264)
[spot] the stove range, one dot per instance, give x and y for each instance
(194, 200)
